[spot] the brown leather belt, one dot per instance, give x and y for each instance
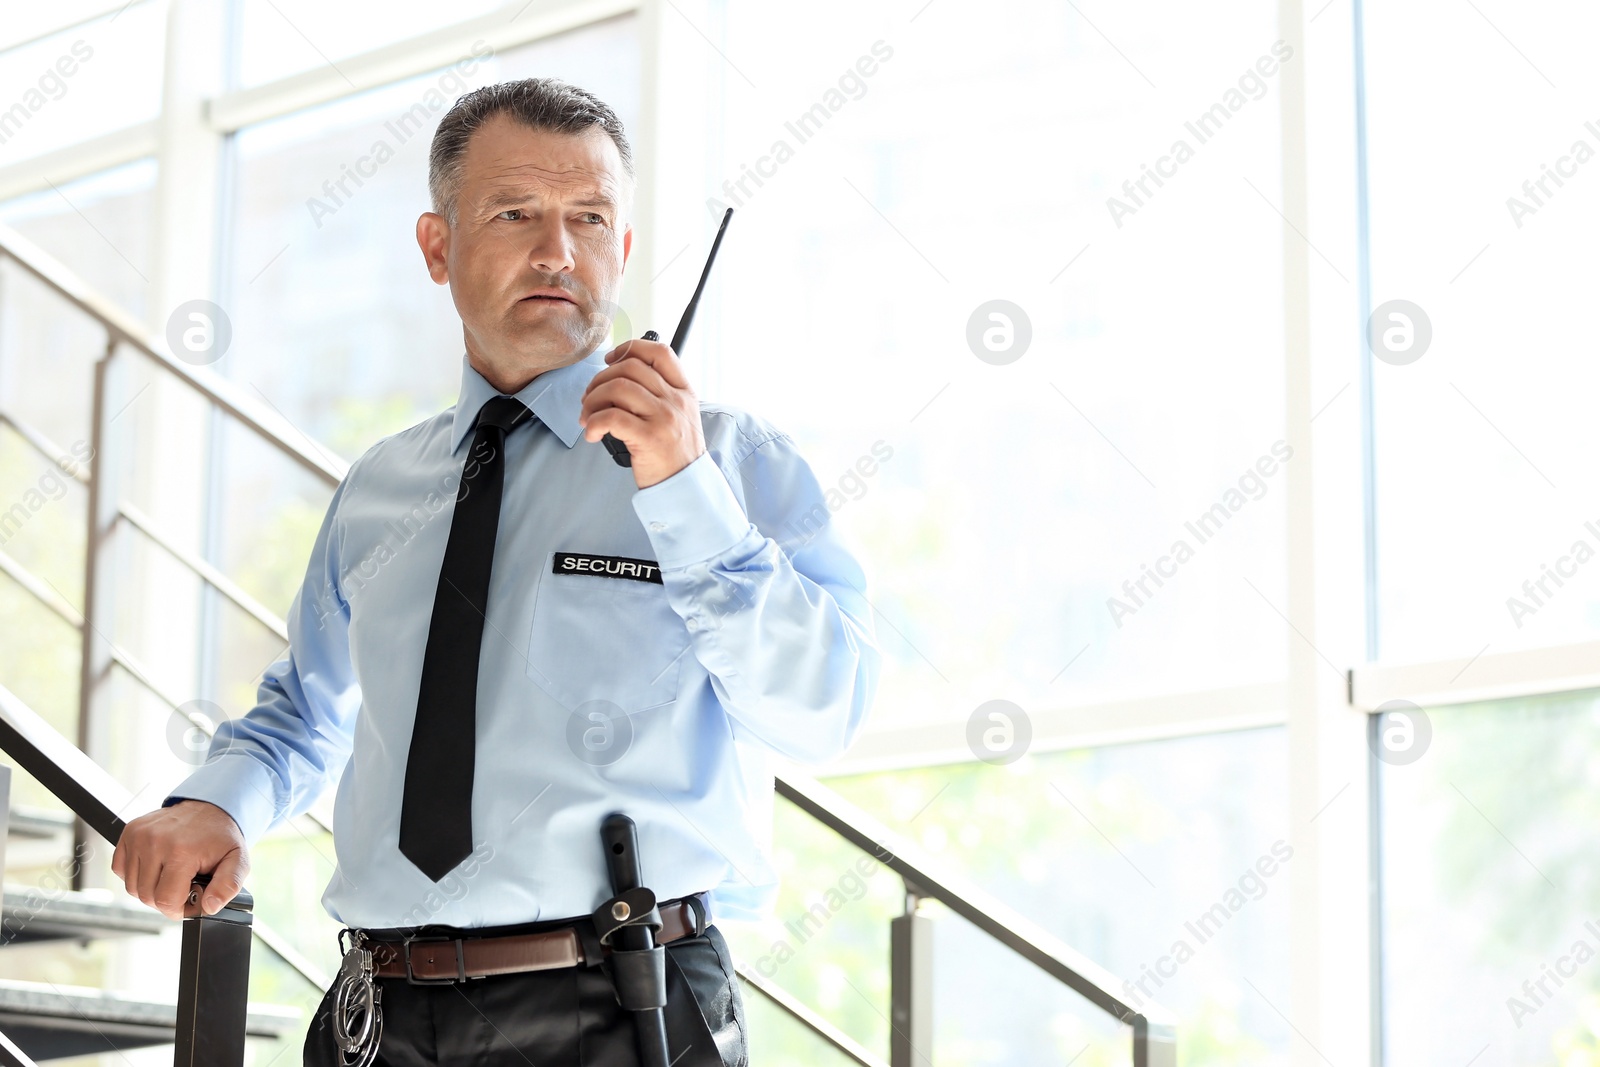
(456, 959)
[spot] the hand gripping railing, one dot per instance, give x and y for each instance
(214, 961)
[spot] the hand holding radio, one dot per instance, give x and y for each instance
(646, 412)
(643, 398)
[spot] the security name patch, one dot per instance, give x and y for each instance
(639, 570)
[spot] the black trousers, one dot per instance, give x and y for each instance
(567, 1017)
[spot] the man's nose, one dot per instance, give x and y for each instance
(552, 247)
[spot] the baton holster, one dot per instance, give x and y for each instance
(627, 924)
(638, 975)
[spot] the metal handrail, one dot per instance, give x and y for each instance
(40, 591)
(80, 783)
(205, 571)
(123, 328)
(788, 1002)
(40, 443)
(214, 961)
(94, 796)
(1154, 1029)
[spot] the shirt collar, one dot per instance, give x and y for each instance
(555, 397)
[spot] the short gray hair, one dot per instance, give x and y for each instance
(539, 103)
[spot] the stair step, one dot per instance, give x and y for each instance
(26, 821)
(49, 1021)
(30, 915)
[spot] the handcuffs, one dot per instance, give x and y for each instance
(357, 1007)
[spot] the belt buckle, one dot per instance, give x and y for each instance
(461, 961)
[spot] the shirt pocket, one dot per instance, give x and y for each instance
(612, 639)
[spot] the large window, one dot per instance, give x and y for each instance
(99, 77)
(1016, 528)
(1490, 882)
(100, 227)
(1167, 862)
(1484, 194)
(283, 37)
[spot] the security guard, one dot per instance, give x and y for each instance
(503, 636)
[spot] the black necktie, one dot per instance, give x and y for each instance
(436, 810)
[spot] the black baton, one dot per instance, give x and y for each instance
(628, 922)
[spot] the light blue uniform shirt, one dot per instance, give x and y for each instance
(597, 692)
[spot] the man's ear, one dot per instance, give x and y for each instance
(433, 237)
(627, 244)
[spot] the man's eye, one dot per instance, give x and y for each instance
(510, 211)
(595, 215)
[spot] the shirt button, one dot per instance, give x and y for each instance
(658, 526)
(692, 624)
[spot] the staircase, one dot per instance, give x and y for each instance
(48, 1021)
(209, 1022)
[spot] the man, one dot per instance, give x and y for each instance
(643, 638)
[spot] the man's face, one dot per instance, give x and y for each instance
(537, 212)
